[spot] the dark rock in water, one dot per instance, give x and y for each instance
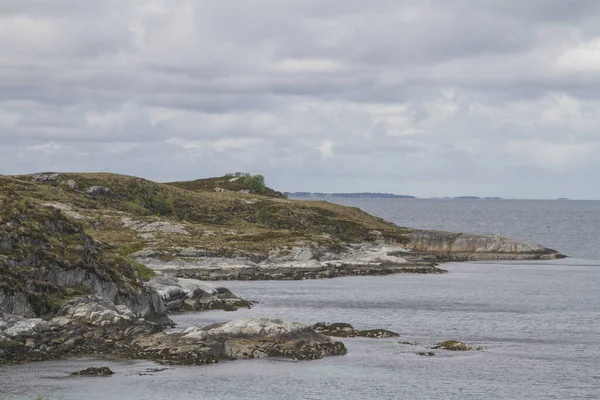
(454, 345)
(407, 343)
(426, 353)
(377, 333)
(340, 329)
(92, 371)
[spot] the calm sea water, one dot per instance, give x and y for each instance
(538, 321)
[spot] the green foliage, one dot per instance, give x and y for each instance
(135, 207)
(22, 206)
(162, 204)
(254, 183)
(144, 272)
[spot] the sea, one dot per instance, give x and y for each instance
(538, 323)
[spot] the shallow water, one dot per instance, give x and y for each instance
(538, 321)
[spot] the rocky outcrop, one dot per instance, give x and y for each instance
(179, 294)
(95, 311)
(296, 263)
(447, 246)
(340, 329)
(249, 338)
(380, 256)
(97, 326)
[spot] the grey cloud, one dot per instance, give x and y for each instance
(425, 98)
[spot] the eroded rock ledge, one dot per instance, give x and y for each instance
(94, 325)
(419, 253)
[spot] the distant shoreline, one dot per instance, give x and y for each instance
(400, 196)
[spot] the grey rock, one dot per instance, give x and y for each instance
(94, 310)
(19, 326)
(475, 247)
(193, 295)
(145, 253)
(99, 191)
(45, 177)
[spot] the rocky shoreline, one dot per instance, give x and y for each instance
(420, 254)
(95, 326)
(93, 264)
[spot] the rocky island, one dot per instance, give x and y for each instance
(94, 263)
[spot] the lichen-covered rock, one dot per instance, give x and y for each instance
(13, 325)
(340, 329)
(94, 310)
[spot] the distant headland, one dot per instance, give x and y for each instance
(352, 195)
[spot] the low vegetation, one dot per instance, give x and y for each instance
(95, 222)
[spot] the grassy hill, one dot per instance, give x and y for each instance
(53, 225)
(219, 221)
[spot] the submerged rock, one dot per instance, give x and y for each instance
(340, 329)
(426, 353)
(454, 345)
(92, 371)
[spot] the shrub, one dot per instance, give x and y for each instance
(22, 206)
(255, 183)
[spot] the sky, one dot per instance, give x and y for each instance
(426, 98)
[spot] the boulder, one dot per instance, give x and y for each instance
(94, 310)
(12, 326)
(179, 294)
(99, 191)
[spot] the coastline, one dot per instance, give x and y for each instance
(88, 256)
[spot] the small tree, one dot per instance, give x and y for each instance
(255, 183)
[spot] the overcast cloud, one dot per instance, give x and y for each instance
(430, 97)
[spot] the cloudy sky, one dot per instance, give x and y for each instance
(429, 97)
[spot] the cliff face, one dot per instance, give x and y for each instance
(46, 257)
